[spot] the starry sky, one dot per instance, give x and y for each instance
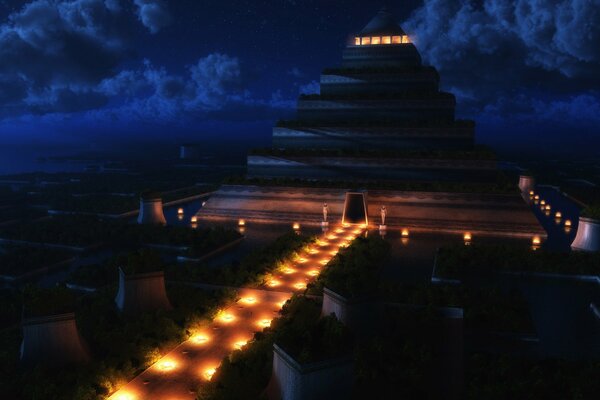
(91, 71)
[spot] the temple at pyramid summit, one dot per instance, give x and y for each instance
(380, 134)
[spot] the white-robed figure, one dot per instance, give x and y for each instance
(325, 211)
(383, 214)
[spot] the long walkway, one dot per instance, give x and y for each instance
(177, 374)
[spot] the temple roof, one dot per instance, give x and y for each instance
(384, 23)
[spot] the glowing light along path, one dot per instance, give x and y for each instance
(194, 361)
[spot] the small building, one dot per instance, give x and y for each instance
(141, 292)
(588, 235)
(151, 209)
(322, 380)
(50, 335)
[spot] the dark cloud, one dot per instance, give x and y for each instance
(213, 88)
(58, 50)
(582, 109)
(554, 35)
(154, 14)
(512, 55)
(64, 56)
(296, 72)
(312, 87)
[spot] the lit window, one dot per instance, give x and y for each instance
(366, 40)
(357, 41)
(405, 39)
(396, 39)
(386, 40)
(376, 40)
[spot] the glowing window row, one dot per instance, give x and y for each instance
(374, 40)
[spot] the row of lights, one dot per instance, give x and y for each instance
(242, 224)
(376, 40)
(547, 208)
(287, 270)
(226, 317)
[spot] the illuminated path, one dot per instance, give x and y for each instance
(177, 374)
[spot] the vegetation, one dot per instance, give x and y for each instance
(98, 203)
(498, 377)
(592, 211)
(94, 275)
(308, 337)
(19, 260)
(113, 204)
(38, 302)
(485, 309)
(121, 347)
(11, 307)
(400, 356)
(88, 230)
(479, 260)
(355, 271)
(140, 262)
(99, 275)
(396, 359)
(479, 153)
(252, 270)
(199, 241)
(63, 230)
(299, 331)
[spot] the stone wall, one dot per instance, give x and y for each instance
(52, 340)
(383, 169)
(390, 138)
(436, 107)
(326, 380)
(500, 215)
(358, 315)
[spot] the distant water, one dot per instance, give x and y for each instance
(20, 159)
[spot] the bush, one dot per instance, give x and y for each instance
(354, 271)
(480, 260)
(18, 260)
(510, 377)
(140, 262)
(121, 346)
(399, 357)
(251, 270)
(89, 230)
(485, 309)
(299, 330)
(39, 302)
(592, 211)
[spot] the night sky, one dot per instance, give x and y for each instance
(89, 71)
